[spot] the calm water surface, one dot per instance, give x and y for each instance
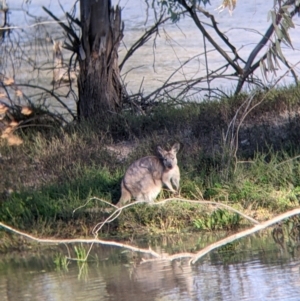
(253, 269)
(159, 58)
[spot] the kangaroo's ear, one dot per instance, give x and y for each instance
(176, 147)
(160, 151)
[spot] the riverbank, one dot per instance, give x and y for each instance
(58, 169)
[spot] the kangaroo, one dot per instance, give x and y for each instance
(144, 178)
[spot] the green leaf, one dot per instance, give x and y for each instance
(286, 37)
(288, 20)
(263, 69)
(278, 50)
(273, 17)
(270, 62)
(274, 55)
(278, 32)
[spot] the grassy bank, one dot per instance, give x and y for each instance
(57, 169)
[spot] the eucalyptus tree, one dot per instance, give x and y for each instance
(93, 37)
(96, 43)
(99, 83)
(101, 91)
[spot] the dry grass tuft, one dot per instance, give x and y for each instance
(8, 125)
(3, 110)
(8, 134)
(26, 111)
(14, 140)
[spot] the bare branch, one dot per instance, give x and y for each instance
(220, 34)
(244, 233)
(194, 257)
(67, 29)
(52, 94)
(143, 39)
(198, 23)
(86, 241)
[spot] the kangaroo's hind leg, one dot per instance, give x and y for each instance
(150, 194)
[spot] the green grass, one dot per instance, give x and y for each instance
(57, 201)
(61, 262)
(218, 220)
(57, 169)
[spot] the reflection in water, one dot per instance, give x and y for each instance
(259, 270)
(154, 280)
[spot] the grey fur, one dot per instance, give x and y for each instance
(144, 178)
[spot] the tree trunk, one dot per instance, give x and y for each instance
(99, 85)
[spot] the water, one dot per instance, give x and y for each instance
(156, 62)
(258, 269)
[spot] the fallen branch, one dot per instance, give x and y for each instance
(79, 240)
(244, 233)
(118, 210)
(194, 257)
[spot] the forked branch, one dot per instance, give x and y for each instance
(194, 257)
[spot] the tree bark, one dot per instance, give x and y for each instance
(99, 84)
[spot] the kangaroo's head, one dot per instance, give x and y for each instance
(168, 158)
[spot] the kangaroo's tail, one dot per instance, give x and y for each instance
(125, 195)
